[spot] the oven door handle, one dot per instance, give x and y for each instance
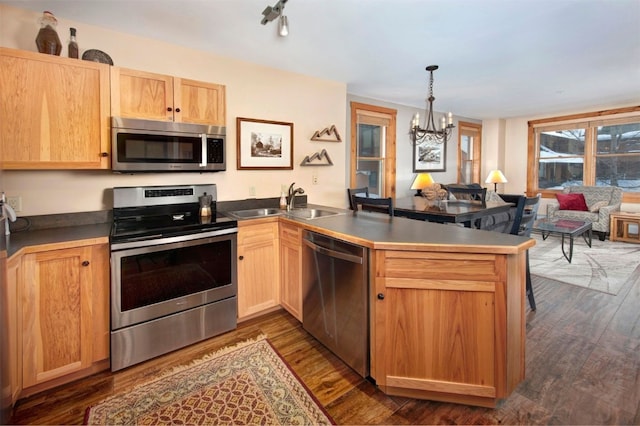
(203, 162)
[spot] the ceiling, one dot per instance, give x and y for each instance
(497, 58)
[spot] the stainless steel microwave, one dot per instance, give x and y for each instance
(139, 146)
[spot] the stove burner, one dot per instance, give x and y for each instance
(159, 212)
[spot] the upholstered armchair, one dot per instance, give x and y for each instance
(598, 203)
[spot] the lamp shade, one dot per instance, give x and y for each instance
(422, 180)
(495, 177)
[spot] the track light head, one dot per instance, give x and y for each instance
(283, 26)
(272, 12)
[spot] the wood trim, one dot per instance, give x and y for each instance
(390, 146)
(585, 119)
(476, 161)
(580, 116)
(442, 386)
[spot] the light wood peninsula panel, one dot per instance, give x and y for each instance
(448, 326)
(55, 112)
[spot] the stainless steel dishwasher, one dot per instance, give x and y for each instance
(336, 297)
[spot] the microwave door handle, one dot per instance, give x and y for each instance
(203, 162)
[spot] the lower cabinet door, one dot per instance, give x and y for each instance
(64, 303)
(258, 268)
(291, 262)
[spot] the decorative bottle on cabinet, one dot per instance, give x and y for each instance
(47, 39)
(73, 44)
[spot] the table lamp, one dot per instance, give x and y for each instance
(495, 177)
(422, 180)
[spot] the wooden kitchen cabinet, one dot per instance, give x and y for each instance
(291, 269)
(145, 95)
(55, 112)
(258, 267)
(446, 325)
(13, 337)
(64, 314)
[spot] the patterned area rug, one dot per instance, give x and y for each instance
(605, 267)
(245, 384)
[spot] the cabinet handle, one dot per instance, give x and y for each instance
(104, 154)
(85, 263)
(177, 109)
(240, 257)
(380, 296)
(169, 109)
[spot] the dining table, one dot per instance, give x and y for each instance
(466, 212)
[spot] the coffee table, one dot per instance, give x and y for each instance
(564, 227)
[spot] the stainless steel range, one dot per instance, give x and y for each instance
(173, 271)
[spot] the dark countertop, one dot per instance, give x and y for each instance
(372, 230)
(19, 240)
(379, 231)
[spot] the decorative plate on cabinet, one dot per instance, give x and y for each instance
(97, 56)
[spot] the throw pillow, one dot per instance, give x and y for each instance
(595, 207)
(574, 201)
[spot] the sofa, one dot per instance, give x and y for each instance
(595, 207)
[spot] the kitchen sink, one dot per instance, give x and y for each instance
(307, 213)
(254, 213)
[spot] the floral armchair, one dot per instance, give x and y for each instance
(599, 202)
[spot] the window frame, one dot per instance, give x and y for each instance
(389, 148)
(590, 121)
(473, 130)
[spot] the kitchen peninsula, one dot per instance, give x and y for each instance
(446, 303)
(446, 306)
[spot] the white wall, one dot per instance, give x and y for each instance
(252, 91)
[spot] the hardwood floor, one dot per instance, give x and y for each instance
(583, 367)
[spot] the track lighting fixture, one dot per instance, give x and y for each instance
(272, 12)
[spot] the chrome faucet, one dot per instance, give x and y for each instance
(292, 195)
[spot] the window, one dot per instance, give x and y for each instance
(373, 160)
(599, 149)
(469, 149)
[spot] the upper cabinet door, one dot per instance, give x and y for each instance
(55, 112)
(139, 94)
(199, 102)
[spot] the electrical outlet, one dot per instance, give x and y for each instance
(15, 202)
(252, 191)
(314, 179)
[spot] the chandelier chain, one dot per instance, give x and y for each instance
(429, 133)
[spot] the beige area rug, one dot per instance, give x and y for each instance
(604, 267)
(245, 384)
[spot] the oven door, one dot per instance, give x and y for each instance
(161, 279)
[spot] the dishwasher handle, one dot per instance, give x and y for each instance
(333, 253)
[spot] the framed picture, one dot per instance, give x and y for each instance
(430, 157)
(264, 144)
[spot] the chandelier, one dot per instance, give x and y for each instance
(428, 132)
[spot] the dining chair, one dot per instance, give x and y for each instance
(525, 215)
(351, 192)
(381, 205)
